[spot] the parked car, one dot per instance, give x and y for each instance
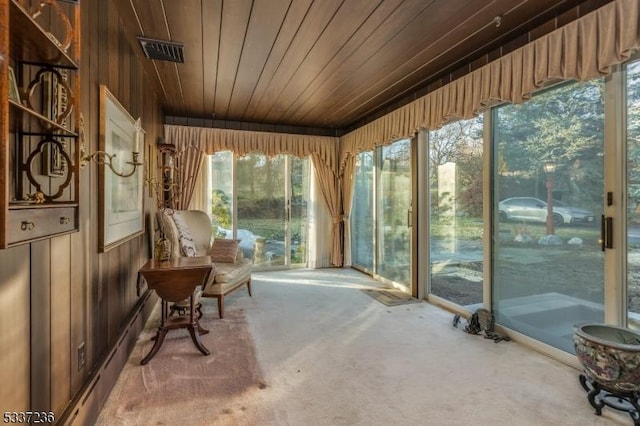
(535, 210)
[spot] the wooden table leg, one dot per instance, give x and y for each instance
(196, 321)
(195, 324)
(196, 340)
(200, 329)
(162, 332)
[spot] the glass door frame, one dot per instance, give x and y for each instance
(614, 182)
(287, 215)
(412, 215)
(615, 170)
(287, 212)
(374, 219)
(288, 223)
(421, 249)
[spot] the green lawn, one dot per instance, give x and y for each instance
(272, 229)
(467, 228)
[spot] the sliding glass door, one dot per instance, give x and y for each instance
(362, 208)
(262, 207)
(221, 172)
(548, 261)
(298, 201)
(394, 206)
(269, 216)
(454, 175)
(381, 213)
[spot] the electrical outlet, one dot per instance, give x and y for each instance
(82, 356)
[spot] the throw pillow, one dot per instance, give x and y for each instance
(187, 246)
(223, 250)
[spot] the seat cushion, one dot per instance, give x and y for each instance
(228, 272)
(227, 277)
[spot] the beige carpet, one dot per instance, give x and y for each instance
(311, 349)
(180, 385)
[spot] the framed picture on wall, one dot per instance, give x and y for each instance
(121, 198)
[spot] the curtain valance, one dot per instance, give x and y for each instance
(582, 50)
(242, 142)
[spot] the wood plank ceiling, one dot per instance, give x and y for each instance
(319, 63)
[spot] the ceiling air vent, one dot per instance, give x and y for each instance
(162, 50)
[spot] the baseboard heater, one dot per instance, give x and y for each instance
(86, 405)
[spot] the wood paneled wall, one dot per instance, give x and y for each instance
(60, 293)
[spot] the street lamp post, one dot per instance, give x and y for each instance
(550, 169)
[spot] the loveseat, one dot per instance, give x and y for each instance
(231, 270)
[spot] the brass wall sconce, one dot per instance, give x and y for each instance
(166, 189)
(106, 159)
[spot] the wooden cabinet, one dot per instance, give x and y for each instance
(30, 224)
(39, 119)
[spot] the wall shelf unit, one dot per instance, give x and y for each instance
(39, 120)
(31, 43)
(34, 115)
